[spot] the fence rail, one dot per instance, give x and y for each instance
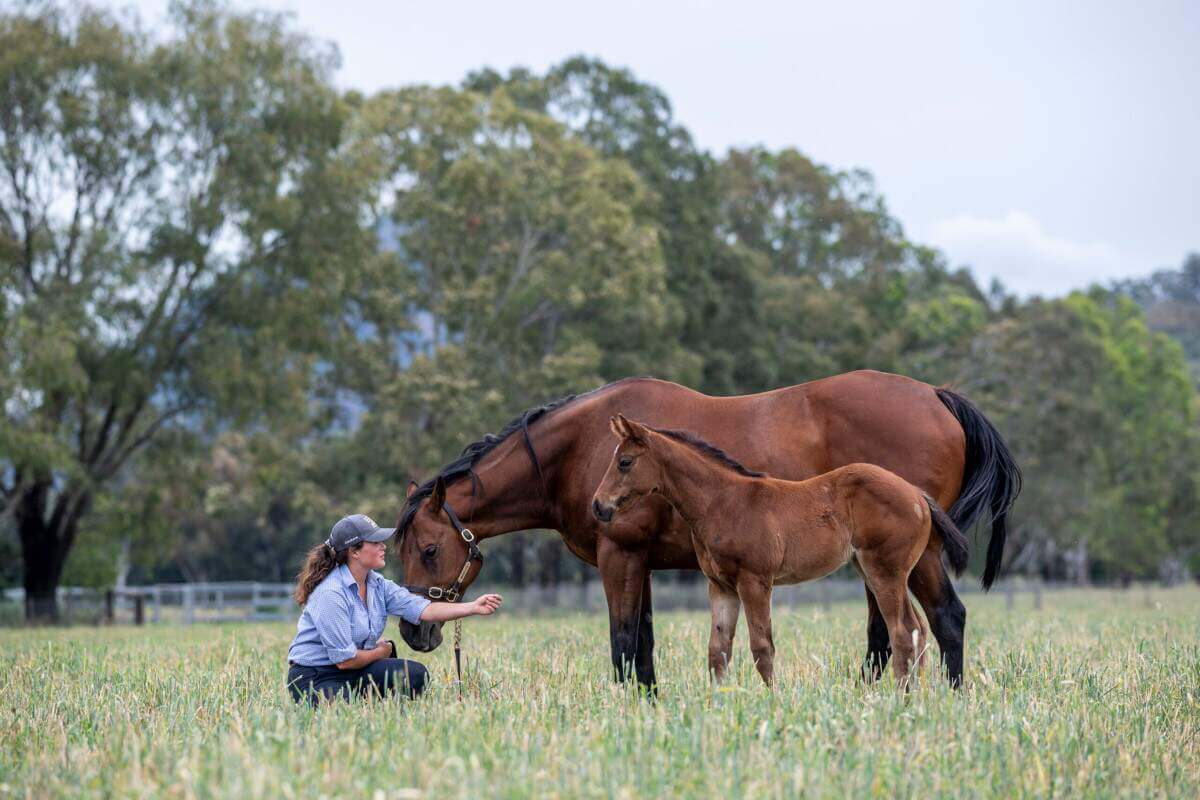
(244, 601)
(186, 603)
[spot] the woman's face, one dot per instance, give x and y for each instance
(371, 555)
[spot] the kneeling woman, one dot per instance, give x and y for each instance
(337, 650)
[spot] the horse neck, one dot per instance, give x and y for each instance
(691, 480)
(509, 497)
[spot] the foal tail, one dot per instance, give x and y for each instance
(991, 478)
(954, 544)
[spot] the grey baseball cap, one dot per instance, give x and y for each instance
(356, 528)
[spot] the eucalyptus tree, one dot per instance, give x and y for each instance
(173, 214)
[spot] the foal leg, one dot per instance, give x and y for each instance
(947, 615)
(755, 593)
(891, 592)
(879, 647)
(918, 631)
(725, 607)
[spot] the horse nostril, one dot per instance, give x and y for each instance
(602, 514)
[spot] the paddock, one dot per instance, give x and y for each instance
(1096, 694)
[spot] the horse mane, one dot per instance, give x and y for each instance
(710, 450)
(463, 466)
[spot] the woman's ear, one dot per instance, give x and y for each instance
(438, 498)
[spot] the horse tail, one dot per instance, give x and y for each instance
(954, 544)
(991, 479)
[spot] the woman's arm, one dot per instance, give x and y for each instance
(367, 657)
(483, 606)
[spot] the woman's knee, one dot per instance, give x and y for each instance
(399, 675)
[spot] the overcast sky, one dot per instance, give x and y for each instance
(1050, 144)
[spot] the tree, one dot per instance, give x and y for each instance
(717, 286)
(172, 218)
(1100, 414)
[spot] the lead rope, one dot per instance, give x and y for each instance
(458, 654)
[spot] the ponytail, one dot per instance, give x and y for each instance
(321, 561)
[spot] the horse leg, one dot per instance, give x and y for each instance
(644, 654)
(879, 648)
(946, 613)
(755, 594)
(625, 575)
(725, 607)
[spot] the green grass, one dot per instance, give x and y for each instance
(1096, 695)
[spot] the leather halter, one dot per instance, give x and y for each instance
(452, 593)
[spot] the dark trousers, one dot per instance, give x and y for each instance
(385, 676)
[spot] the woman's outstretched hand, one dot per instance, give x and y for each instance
(486, 604)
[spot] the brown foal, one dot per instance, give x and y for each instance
(751, 531)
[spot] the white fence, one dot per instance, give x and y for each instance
(188, 603)
(185, 603)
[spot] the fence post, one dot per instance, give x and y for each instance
(139, 609)
(156, 616)
(220, 603)
(109, 606)
(189, 605)
(255, 599)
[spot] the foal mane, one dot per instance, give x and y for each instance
(710, 450)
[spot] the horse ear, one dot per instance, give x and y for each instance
(633, 430)
(438, 498)
(614, 425)
(412, 487)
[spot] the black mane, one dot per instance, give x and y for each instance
(712, 451)
(463, 466)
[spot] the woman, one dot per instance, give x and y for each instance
(337, 650)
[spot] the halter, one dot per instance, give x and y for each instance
(455, 590)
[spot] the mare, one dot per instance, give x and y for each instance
(751, 532)
(541, 469)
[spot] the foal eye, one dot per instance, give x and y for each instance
(624, 464)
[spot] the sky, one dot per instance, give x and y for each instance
(1047, 144)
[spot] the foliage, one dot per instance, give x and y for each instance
(172, 220)
(236, 303)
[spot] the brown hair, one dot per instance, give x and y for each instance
(321, 560)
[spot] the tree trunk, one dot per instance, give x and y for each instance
(42, 561)
(44, 548)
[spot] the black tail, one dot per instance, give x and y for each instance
(954, 544)
(991, 479)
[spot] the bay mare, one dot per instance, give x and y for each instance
(751, 531)
(541, 469)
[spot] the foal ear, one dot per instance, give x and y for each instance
(633, 430)
(438, 498)
(614, 425)
(412, 487)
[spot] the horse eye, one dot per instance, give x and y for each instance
(429, 552)
(624, 464)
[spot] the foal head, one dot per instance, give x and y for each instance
(632, 473)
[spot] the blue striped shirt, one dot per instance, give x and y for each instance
(335, 624)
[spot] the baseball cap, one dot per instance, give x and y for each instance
(356, 528)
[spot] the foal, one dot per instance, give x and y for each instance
(751, 531)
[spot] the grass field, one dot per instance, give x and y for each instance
(1095, 695)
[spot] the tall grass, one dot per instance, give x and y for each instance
(1095, 695)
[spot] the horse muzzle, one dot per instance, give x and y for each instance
(603, 513)
(422, 637)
